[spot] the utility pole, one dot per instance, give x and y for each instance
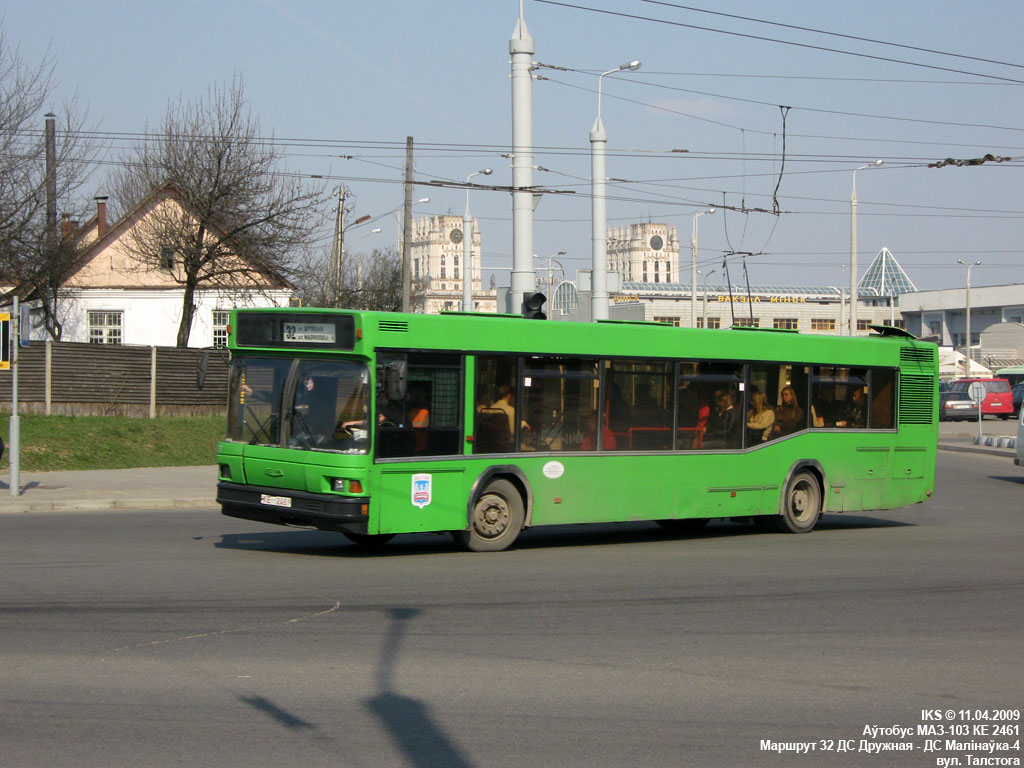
(337, 249)
(524, 199)
(407, 231)
(51, 180)
(14, 449)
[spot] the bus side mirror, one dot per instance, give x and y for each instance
(394, 379)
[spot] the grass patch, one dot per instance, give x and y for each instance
(50, 443)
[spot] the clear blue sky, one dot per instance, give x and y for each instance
(336, 79)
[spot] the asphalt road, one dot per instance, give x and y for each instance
(187, 638)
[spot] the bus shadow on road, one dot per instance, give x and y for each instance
(326, 544)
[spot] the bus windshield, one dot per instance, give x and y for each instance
(318, 405)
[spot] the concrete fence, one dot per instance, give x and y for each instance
(73, 379)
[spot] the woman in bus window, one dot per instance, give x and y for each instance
(760, 419)
(789, 417)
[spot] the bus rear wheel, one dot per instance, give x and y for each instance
(496, 519)
(801, 505)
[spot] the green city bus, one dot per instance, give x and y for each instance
(373, 424)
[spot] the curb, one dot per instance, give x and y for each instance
(1006, 454)
(23, 506)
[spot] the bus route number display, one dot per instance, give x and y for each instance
(309, 333)
(294, 329)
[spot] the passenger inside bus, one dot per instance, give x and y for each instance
(789, 416)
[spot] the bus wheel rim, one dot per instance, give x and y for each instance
(491, 516)
(800, 501)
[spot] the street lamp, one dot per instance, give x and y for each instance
(967, 316)
(598, 143)
(551, 260)
(467, 247)
(693, 268)
(853, 247)
(705, 278)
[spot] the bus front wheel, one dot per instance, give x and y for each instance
(801, 506)
(496, 519)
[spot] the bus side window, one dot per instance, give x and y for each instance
(494, 398)
(640, 405)
(426, 421)
(883, 398)
(558, 396)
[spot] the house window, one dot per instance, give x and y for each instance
(167, 257)
(862, 325)
(220, 327)
(668, 320)
(106, 327)
(823, 324)
(713, 322)
(787, 323)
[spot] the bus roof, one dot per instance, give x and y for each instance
(480, 332)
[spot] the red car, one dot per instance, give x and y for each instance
(998, 399)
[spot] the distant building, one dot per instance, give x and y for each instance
(941, 315)
(644, 253)
(644, 267)
(436, 253)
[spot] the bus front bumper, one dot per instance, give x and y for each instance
(293, 508)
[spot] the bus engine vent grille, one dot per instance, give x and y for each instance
(918, 356)
(394, 326)
(917, 399)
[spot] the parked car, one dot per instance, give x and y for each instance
(1018, 395)
(955, 402)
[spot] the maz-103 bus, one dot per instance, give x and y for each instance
(373, 424)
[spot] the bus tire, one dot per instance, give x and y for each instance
(369, 540)
(801, 505)
(496, 519)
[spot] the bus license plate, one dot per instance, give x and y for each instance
(275, 501)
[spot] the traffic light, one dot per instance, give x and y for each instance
(533, 306)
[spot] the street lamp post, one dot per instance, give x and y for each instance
(705, 292)
(551, 260)
(967, 318)
(853, 247)
(467, 247)
(598, 143)
(693, 268)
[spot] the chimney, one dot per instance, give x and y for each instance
(67, 228)
(101, 215)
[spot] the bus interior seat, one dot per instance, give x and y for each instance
(492, 435)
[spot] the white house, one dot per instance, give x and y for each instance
(110, 298)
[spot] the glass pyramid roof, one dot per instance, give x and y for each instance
(885, 277)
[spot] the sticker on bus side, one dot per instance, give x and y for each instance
(421, 490)
(553, 470)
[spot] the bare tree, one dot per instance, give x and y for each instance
(369, 281)
(34, 259)
(239, 219)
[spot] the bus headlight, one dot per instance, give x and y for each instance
(340, 485)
